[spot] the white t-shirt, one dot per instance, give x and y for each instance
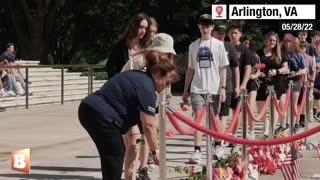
(206, 78)
(134, 63)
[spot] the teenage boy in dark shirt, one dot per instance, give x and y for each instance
(243, 55)
(233, 79)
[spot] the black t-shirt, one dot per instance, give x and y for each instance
(243, 55)
(271, 64)
(121, 99)
(233, 62)
(311, 51)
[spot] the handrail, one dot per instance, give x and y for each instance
(57, 66)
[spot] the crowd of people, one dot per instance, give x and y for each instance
(278, 62)
(140, 66)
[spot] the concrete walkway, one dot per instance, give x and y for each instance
(61, 148)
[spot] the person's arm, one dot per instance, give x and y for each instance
(247, 72)
(187, 82)
(150, 131)
(236, 78)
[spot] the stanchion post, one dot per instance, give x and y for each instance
(272, 93)
(244, 121)
(306, 120)
(27, 88)
(209, 139)
(291, 107)
(162, 136)
(309, 146)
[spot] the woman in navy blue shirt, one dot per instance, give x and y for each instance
(125, 100)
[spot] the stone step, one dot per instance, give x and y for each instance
(56, 78)
(79, 82)
(49, 73)
(95, 85)
(38, 101)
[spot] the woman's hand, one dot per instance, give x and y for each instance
(185, 97)
(262, 74)
(272, 72)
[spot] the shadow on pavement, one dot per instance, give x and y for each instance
(47, 176)
(87, 157)
(57, 168)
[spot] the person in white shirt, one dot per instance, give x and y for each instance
(206, 75)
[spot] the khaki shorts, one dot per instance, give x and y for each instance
(197, 101)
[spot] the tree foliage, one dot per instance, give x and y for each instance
(82, 31)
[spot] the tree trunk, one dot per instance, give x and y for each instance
(34, 31)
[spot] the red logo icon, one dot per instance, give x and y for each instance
(219, 10)
(20, 160)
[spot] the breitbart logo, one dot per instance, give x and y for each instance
(20, 160)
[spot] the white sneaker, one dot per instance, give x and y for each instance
(251, 135)
(11, 93)
(219, 152)
(195, 157)
(3, 94)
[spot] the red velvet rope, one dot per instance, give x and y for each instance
(247, 141)
(303, 99)
(263, 111)
(189, 130)
(286, 105)
(233, 121)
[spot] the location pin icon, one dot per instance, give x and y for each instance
(219, 10)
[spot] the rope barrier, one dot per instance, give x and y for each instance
(303, 99)
(286, 105)
(189, 130)
(247, 141)
(233, 120)
(263, 111)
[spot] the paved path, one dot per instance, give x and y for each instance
(61, 149)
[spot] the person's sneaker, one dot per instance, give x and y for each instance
(296, 128)
(11, 93)
(2, 109)
(219, 152)
(3, 94)
(281, 130)
(251, 135)
(150, 161)
(195, 157)
(264, 136)
(143, 174)
(232, 144)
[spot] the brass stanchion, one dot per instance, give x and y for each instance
(162, 136)
(291, 107)
(209, 139)
(309, 146)
(244, 121)
(271, 127)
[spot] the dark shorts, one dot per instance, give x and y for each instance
(262, 93)
(234, 102)
(224, 111)
(316, 95)
(252, 85)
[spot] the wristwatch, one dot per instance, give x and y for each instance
(155, 152)
(278, 72)
(223, 87)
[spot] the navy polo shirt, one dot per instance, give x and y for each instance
(121, 99)
(11, 57)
